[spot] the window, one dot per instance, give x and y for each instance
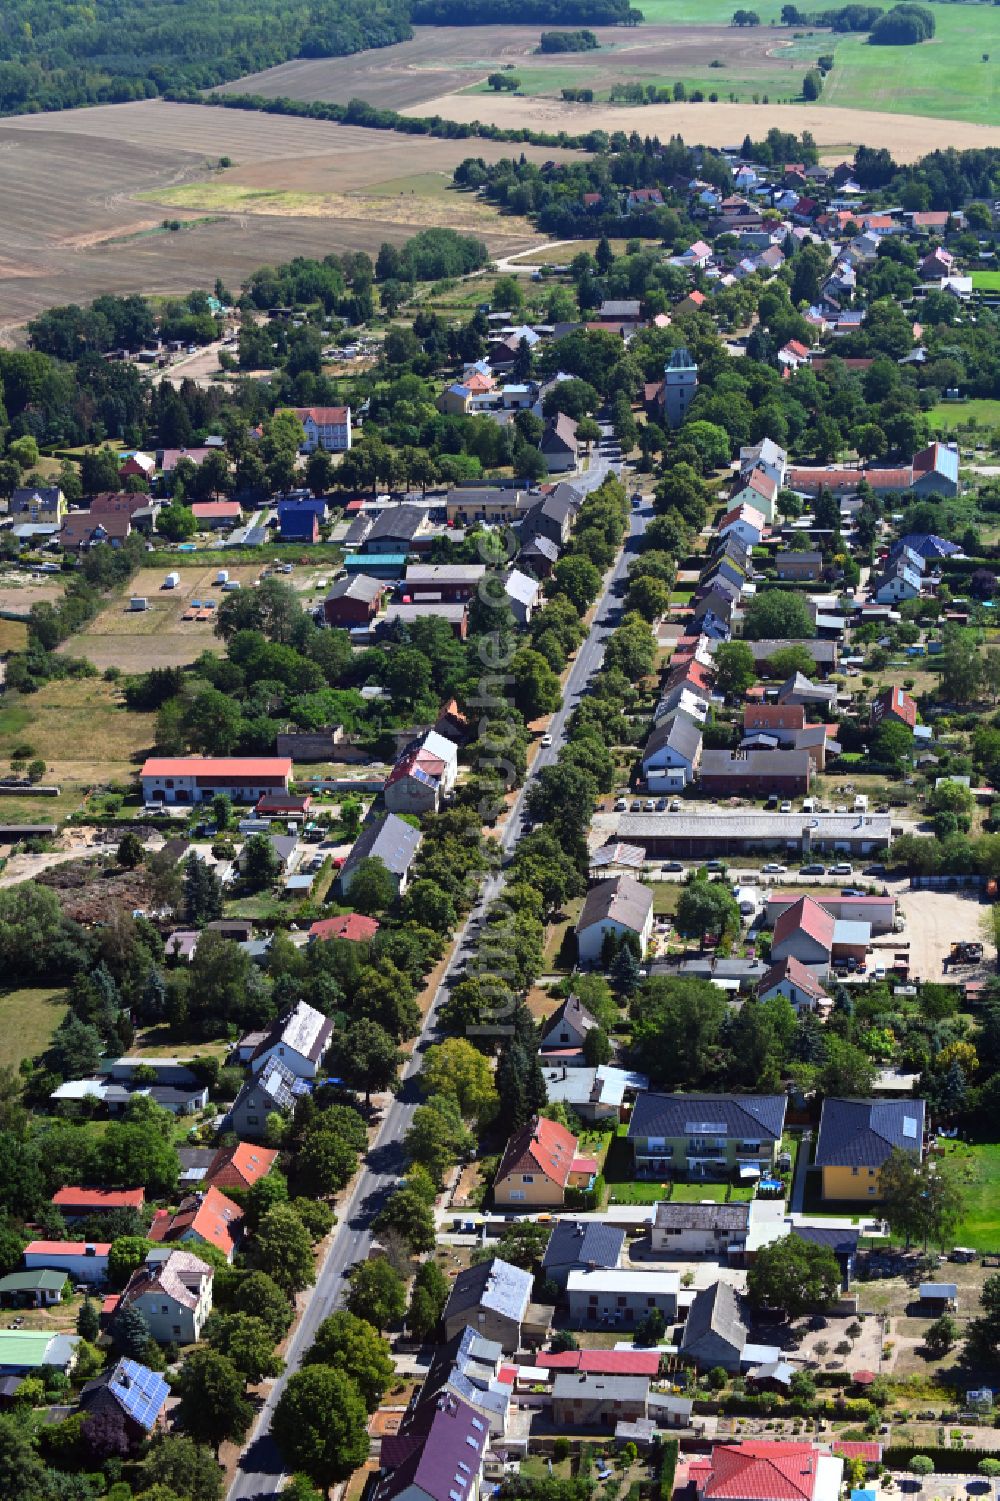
(854, 1172)
(527, 1177)
(593, 1300)
(177, 1328)
(621, 1302)
(871, 1188)
(516, 1193)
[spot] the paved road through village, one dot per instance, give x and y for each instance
(260, 1471)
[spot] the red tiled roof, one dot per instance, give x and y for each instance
(239, 1166)
(543, 1145)
(66, 1247)
(100, 1198)
(584, 1165)
(761, 482)
(603, 1362)
(896, 701)
(851, 1450)
(805, 916)
(350, 925)
(762, 1472)
(217, 766)
(798, 973)
(211, 1218)
(321, 415)
(208, 509)
(774, 716)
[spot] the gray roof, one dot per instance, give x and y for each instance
(574, 1013)
(359, 587)
(798, 557)
(747, 1116)
(752, 823)
(397, 521)
(676, 732)
(824, 652)
(389, 839)
(543, 546)
(496, 1285)
(755, 763)
(621, 899)
(863, 1133)
(840, 1242)
(592, 1387)
(800, 685)
(584, 1243)
(445, 573)
(732, 1217)
(522, 587)
(617, 308)
(715, 1310)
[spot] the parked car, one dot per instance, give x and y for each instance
(674, 866)
(661, 805)
(621, 806)
(714, 865)
(874, 870)
(786, 808)
(773, 869)
(637, 806)
(841, 870)
(649, 806)
(851, 891)
(813, 870)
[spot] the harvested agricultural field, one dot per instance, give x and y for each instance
(160, 636)
(85, 194)
(840, 131)
(443, 59)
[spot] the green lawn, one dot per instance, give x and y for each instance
(982, 411)
(978, 1169)
(28, 1018)
(946, 77)
(986, 281)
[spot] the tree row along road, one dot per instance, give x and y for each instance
(260, 1469)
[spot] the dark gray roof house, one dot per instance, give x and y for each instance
(581, 1246)
(714, 1333)
(863, 1133)
(389, 839)
(747, 1116)
(395, 525)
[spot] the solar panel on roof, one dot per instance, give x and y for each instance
(909, 1126)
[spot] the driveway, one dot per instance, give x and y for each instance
(934, 920)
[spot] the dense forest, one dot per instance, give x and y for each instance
(57, 55)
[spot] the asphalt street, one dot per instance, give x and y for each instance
(260, 1471)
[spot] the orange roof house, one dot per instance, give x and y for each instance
(537, 1165)
(209, 1218)
(761, 1471)
(239, 1166)
(350, 925)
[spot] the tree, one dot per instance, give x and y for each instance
(460, 1071)
(368, 1058)
(794, 1275)
(88, 1320)
(352, 1345)
(577, 578)
(185, 1468)
(649, 597)
(940, 1336)
(247, 1342)
(892, 744)
(324, 1162)
(625, 972)
(259, 1296)
(596, 1047)
(920, 1200)
(260, 863)
(778, 615)
(283, 1250)
(76, 1048)
(130, 1332)
(848, 1070)
(373, 889)
(706, 908)
(427, 1300)
(130, 851)
(536, 686)
(812, 85)
(377, 1294)
(961, 668)
(22, 1473)
(410, 1216)
(213, 1405)
(437, 1136)
(735, 672)
(920, 1465)
(788, 660)
(321, 1425)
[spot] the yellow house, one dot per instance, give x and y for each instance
(44, 505)
(537, 1166)
(856, 1138)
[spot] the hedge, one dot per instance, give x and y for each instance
(669, 1449)
(946, 1461)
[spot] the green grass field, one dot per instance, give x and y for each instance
(983, 412)
(946, 77)
(986, 281)
(978, 1169)
(28, 1018)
